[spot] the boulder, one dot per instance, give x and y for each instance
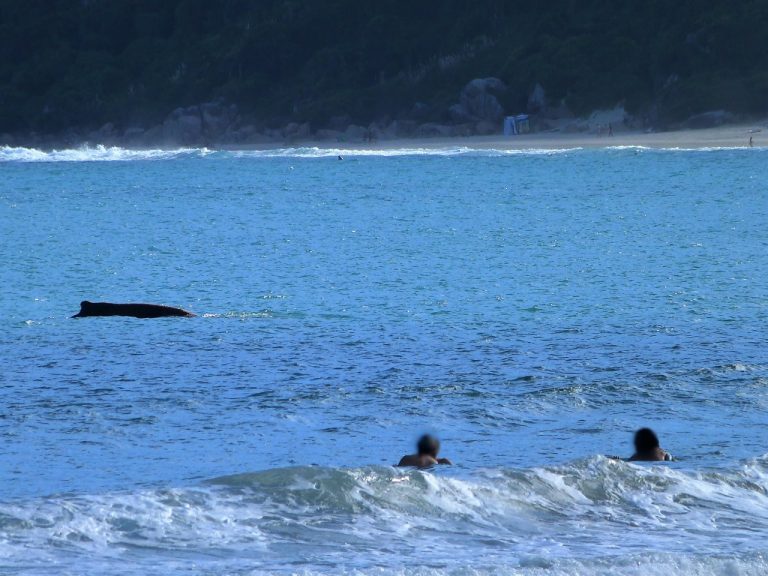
(339, 123)
(153, 135)
(236, 135)
(432, 130)
(478, 100)
(559, 112)
(600, 120)
(217, 118)
(402, 129)
(377, 131)
(575, 127)
(248, 134)
(70, 137)
(463, 130)
(537, 100)
(326, 134)
(355, 133)
(709, 119)
(201, 124)
(460, 115)
(133, 132)
(258, 138)
(486, 128)
(296, 131)
(133, 135)
(184, 126)
(274, 134)
(104, 135)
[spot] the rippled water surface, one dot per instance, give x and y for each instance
(531, 308)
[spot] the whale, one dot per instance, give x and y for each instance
(135, 310)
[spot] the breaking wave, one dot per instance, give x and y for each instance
(117, 154)
(640, 148)
(316, 152)
(95, 154)
(595, 516)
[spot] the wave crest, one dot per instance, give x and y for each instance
(102, 153)
(95, 154)
(317, 152)
(533, 519)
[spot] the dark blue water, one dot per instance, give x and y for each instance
(533, 309)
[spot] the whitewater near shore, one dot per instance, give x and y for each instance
(723, 137)
(731, 136)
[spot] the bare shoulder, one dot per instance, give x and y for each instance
(406, 461)
(417, 461)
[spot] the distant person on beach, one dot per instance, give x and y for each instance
(750, 142)
(427, 449)
(610, 129)
(647, 447)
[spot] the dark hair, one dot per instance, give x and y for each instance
(646, 440)
(428, 445)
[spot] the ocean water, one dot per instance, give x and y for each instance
(532, 308)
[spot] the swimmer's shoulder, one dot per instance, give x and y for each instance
(417, 461)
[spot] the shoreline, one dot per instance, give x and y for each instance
(726, 136)
(730, 136)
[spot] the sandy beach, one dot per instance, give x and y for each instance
(721, 137)
(729, 136)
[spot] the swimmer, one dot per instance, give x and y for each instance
(647, 448)
(427, 449)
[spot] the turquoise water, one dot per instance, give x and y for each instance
(531, 308)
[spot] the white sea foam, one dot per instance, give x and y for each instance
(635, 565)
(94, 154)
(589, 517)
(640, 148)
(116, 154)
(316, 152)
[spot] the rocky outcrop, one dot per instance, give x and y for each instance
(537, 100)
(339, 123)
(183, 126)
(199, 125)
(217, 118)
(295, 131)
(614, 119)
(104, 135)
(433, 130)
(328, 135)
(710, 119)
(478, 102)
(355, 133)
(486, 128)
(400, 129)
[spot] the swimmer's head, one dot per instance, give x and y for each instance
(646, 440)
(428, 446)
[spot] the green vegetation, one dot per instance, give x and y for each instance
(81, 63)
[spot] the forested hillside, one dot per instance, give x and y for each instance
(81, 63)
